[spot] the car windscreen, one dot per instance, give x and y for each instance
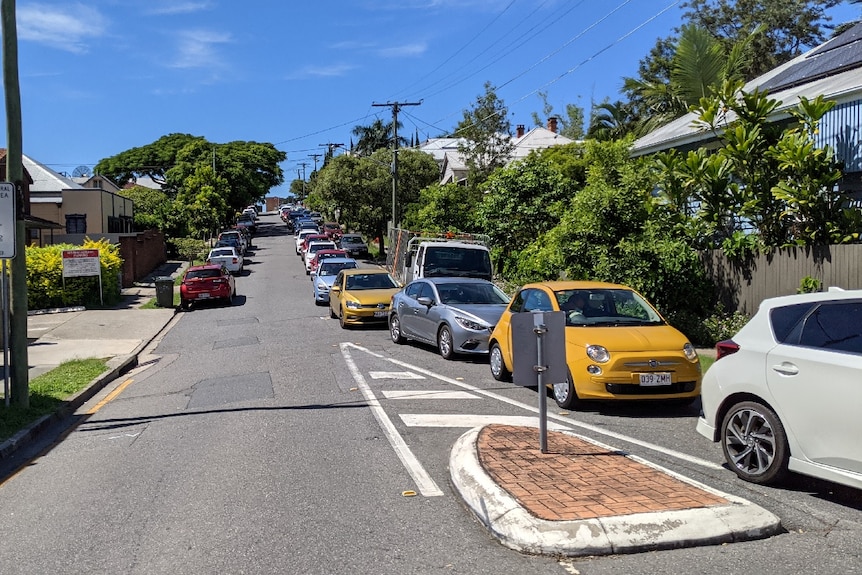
(220, 253)
(370, 281)
(457, 261)
(471, 293)
(331, 269)
(203, 274)
(606, 307)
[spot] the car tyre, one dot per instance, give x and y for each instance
(444, 342)
(395, 329)
(565, 393)
(341, 321)
(754, 443)
(185, 304)
(498, 367)
(332, 313)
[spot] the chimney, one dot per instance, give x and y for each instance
(552, 124)
(520, 129)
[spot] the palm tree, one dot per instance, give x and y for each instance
(374, 137)
(611, 121)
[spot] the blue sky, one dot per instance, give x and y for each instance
(103, 76)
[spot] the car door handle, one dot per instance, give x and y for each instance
(786, 369)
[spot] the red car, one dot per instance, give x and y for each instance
(333, 230)
(322, 255)
(207, 282)
(312, 238)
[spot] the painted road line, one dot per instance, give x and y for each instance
(428, 394)
(424, 483)
(395, 375)
(534, 409)
(472, 420)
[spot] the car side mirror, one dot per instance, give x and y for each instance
(335, 289)
(425, 300)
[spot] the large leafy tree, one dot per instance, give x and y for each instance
(152, 160)
(789, 26)
(486, 133)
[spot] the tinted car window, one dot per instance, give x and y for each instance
(518, 302)
(413, 289)
(537, 300)
(785, 318)
(834, 326)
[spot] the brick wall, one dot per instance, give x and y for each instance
(142, 253)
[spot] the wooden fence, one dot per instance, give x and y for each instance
(741, 287)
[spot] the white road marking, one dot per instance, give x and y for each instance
(472, 420)
(428, 394)
(394, 375)
(424, 483)
(535, 409)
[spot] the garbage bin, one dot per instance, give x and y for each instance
(164, 291)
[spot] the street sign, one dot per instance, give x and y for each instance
(77, 263)
(8, 224)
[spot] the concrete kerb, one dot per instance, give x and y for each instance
(517, 529)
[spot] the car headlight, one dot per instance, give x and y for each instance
(470, 324)
(689, 352)
(350, 304)
(598, 353)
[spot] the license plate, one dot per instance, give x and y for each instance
(203, 296)
(652, 379)
(380, 314)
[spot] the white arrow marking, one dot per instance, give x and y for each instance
(429, 394)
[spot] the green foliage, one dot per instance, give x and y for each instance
(809, 284)
(45, 285)
(486, 131)
(48, 392)
(190, 249)
(741, 246)
(441, 208)
(721, 325)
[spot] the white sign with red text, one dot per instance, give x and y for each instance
(78, 263)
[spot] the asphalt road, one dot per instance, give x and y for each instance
(263, 438)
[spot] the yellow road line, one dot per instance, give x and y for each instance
(110, 396)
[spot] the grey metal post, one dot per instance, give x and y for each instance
(540, 330)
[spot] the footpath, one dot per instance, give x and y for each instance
(580, 498)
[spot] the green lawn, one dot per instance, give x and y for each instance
(49, 392)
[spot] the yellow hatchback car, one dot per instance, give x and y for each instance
(617, 345)
(362, 296)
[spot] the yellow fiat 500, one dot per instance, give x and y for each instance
(617, 344)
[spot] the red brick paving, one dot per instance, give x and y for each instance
(577, 479)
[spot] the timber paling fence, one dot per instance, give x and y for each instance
(742, 286)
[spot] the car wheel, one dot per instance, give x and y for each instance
(565, 394)
(341, 319)
(395, 329)
(754, 443)
(444, 342)
(332, 313)
(185, 304)
(498, 368)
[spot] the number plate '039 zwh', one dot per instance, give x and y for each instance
(651, 379)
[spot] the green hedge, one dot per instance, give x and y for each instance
(45, 286)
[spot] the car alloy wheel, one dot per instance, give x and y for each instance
(754, 443)
(395, 329)
(341, 319)
(565, 394)
(444, 342)
(498, 368)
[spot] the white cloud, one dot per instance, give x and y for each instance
(197, 49)
(62, 27)
(402, 51)
(170, 9)
(332, 71)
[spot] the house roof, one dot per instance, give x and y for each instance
(538, 138)
(831, 70)
(45, 179)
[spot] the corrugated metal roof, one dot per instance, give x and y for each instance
(45, 179)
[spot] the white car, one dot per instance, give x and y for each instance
(314, 247)
(228, 257)
(240, 237)
(785, 391)
(300, 237)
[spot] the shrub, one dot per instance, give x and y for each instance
(189, 249)
(47, 289)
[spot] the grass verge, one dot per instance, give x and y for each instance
(48, 392)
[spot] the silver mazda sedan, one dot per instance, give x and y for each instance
(454, 314)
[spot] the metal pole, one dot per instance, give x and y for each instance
(540, 330)
(5, 296)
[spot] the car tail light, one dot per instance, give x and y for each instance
(726, 347)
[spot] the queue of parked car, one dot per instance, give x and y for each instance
(757, 398)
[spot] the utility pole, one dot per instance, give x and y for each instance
(330, 150)
(315, 156)
(20, 388)
(395, 107)
(303, 164)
